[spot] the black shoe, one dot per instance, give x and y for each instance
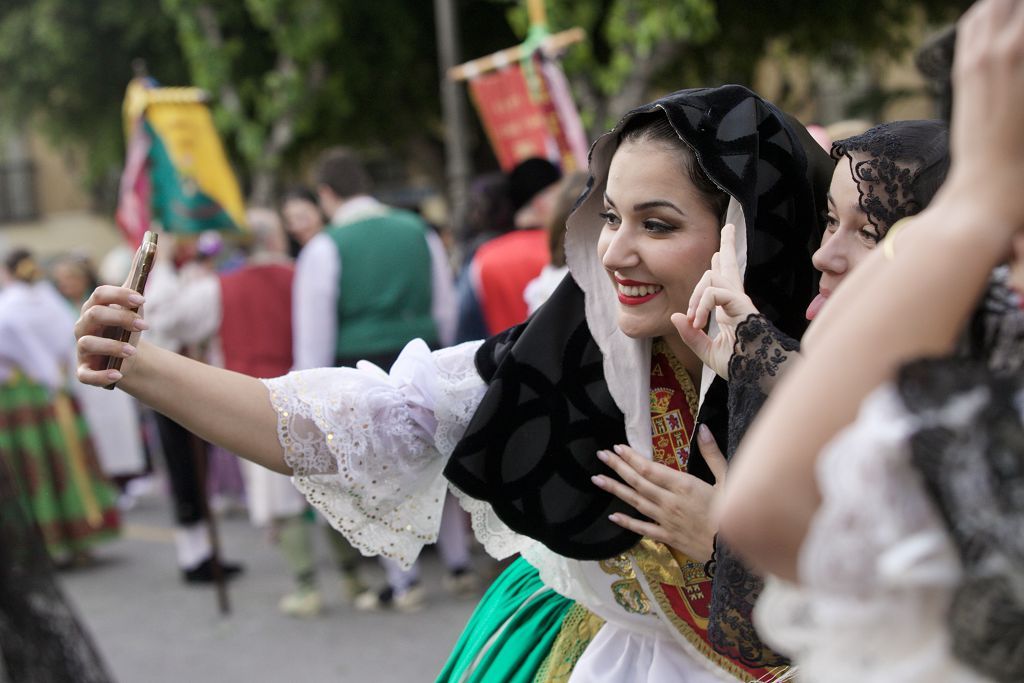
(203, 572)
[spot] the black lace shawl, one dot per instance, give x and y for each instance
(971, 457)
(41, 641)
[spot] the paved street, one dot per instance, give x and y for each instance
(151, 628)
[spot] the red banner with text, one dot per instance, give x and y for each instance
(524, 122)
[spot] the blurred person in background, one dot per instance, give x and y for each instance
(43, 438)
(375, 279)
(112, 416)
(303, 219)
(567, 193)
(489, 214)
(247, 316)
(178, 262)
(214, 256)
(493, 283)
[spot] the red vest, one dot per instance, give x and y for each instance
(505, 266)
(256, 322)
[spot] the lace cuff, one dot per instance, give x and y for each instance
(759, 357)
(368, 448)
(760, 353)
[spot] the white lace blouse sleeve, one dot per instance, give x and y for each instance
(877, 568)
(368, 448)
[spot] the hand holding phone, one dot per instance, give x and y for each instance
(142, 264)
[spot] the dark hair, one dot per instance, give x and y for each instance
(81, 263)
(22, 266)
(489, 207)
(655, 127)
(529, 178)
(300, 192)
(935, 62)
(570, 188)
(341, 170)
(899, 167)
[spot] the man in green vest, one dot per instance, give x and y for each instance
(374, 280)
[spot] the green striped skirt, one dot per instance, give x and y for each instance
(45, 443)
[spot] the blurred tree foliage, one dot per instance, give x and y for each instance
(292, 76)
(65, 64)
(635, 47)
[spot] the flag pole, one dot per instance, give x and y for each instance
(454, 114)
(538, 13)
(553, 43)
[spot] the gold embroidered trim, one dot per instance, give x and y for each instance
(618, 566)
(628, 593)
(579, 627)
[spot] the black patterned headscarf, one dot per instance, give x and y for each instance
(897, 166)
(568, 382)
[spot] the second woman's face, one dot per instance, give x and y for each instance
(849, 236)
(302, 219)
(658, 237)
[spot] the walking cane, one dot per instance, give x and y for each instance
(199, 457)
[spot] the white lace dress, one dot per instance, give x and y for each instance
(368, 450)
(877, 568)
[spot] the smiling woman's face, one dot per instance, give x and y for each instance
(658, 237)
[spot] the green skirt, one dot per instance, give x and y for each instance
(511, 631)
(45, 443)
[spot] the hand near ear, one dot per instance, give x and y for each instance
(719, 292)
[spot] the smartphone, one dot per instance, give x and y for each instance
(142, 264)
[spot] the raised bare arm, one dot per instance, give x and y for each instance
(226, 408)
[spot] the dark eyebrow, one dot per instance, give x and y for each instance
(653, 204)
(856, 207)
(658, 203)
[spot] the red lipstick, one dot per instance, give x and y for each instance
(628, 300)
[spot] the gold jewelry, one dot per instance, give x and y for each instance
(889, 243)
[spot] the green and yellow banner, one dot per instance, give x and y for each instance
(176, 171)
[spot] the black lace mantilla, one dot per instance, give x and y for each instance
(41, 641)
(892, 182)
(759, 357)
(970, 454)
(995, 335)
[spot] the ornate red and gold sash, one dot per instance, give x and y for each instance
(678, 585)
